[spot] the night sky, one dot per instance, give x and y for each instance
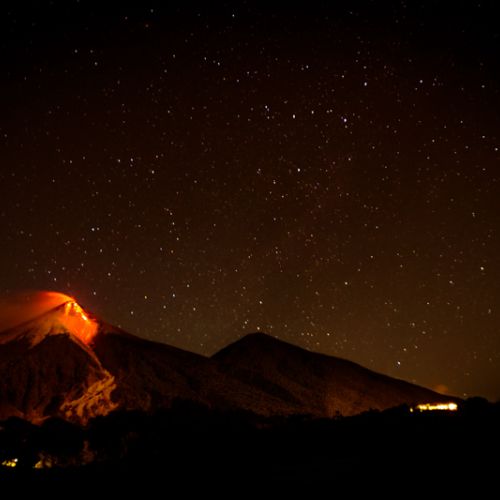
(328, 174)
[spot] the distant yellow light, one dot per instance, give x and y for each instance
(438, 407)
(12, 462)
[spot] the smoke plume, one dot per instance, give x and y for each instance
(16, 308)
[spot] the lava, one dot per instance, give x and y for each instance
(78, 322)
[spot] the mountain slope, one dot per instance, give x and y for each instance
(315, 383)
(47, 368)
(150, 374)
(51, 378)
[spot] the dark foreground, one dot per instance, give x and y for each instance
(191, 446)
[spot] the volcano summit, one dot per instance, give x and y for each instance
(68, 363)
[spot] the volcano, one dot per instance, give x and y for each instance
(68, 363)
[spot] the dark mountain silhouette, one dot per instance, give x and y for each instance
(70, 364)
(314, 383)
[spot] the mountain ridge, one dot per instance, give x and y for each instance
(69, 363)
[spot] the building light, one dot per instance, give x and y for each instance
(11, 462)
(437, 407)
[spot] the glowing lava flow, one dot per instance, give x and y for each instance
(78, 323)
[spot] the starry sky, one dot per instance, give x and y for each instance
(327, 173)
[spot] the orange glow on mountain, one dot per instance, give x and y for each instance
(77, 321)
(19, 307)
